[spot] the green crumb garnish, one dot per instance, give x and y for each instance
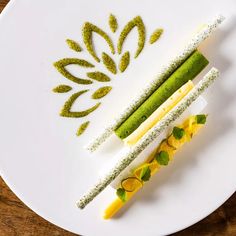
(74, 45)
(120, 192)
(136, 22)
(101, 92)
(124, 61)
(109, 63)
(145, 174)
(201, 119)
(87, 32)
(99, 76)
(113, 23)
(62, 88)
(162, 158)
(82, 128)
(155, 36)
(178, 133)
(61, 67)
(66, 109)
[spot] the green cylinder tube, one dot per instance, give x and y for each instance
(187, 71)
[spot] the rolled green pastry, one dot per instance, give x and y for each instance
(193, 65)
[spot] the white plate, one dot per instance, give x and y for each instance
(43, 161)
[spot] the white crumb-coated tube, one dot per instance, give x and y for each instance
(148, 138)
(165, 72)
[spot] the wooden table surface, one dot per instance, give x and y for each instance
(16, 219)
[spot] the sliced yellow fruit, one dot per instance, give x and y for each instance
(130, 184)
(169, 145)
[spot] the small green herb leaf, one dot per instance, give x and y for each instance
(109, 63)
(145, 174)
(101, 92)
(155, 36)
(162, 158)
(124, 61)
(201, 119)
(178, 132)
(62, 88)
(99, 76)
(73, 45)
(120, 192)
(82, 128)
(113, 23)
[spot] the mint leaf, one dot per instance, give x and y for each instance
(162, 158)
(120, 192)
(201, 119)
(178, 133)
(145, 174)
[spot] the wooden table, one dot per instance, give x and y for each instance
(16, 219)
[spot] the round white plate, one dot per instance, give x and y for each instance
(43, 161)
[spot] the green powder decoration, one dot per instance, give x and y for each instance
(101, 92)
(66, 109)
(99, 76)
(124, 61)
(82, 128)
(61, 67)
(113, 23)
(136, 22)
(74, 45)
(62, 88)
(155, 35)
(109, 63)
(87, 33)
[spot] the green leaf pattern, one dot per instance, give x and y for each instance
(61, 67)
(109, 63)
(96, 76)
(101, 92)
(88, 30)
(66, 109)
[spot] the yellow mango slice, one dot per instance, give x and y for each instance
(169, 145)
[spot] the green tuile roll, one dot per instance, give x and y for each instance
(187, 71)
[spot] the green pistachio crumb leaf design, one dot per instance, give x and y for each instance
(66, 110)
(124, 61)
(109, 63)
(82, 128)
(99, 76)
(145, 174)
(101, 92)
(94, 76)
(87, 31)
(61, 67)
(120, 192)
(155, 35)
(136, 22)
(62, 88)
(201, 119)
(74, 45)
(162, 158)
(178, 133)
(113, 23)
